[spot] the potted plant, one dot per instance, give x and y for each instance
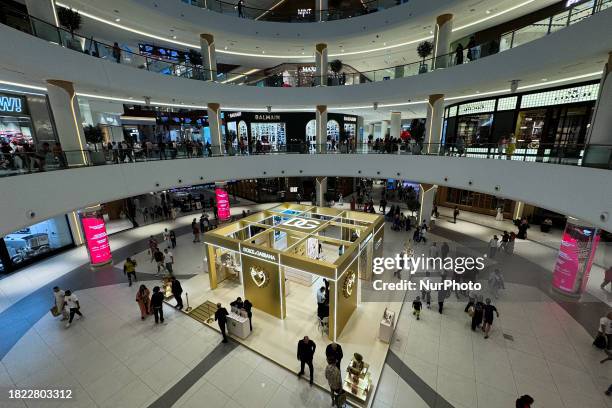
(424, 50)
(336, 67)
(94, 137)
(195, 59)
(71, 20)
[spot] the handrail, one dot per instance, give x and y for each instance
(63, 37)
(20, 162)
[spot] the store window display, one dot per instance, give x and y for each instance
(333, 134)
(268, 137)
(36, 240)
(311, 135)
(475, 128)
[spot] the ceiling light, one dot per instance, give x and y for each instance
(488, 11)
(225, 48)
(174, 37)
(117, 19)
(544, 79)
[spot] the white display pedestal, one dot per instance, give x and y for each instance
(387, 326)
(238, 326)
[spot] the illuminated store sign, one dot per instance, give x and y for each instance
(97, 239)
(303, 224)
(260, 277)
(267, 117)
(350, 119)
(259, 254)
(223, 205)
(234, 115)
(561, 96)
(349, 284)
(303, 12)
(477, 107)
(11, 104)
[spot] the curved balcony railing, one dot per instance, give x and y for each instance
(187, 64)
(13, 163)
(298, 15)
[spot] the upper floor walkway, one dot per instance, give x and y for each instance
(189, 64)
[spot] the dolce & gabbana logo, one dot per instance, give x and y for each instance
(302, 223)
(259, 254)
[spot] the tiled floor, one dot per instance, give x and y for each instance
(113, 359)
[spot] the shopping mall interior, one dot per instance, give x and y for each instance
(273, 204)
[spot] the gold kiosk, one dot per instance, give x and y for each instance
(260, 250)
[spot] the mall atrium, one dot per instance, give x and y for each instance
(306, 203)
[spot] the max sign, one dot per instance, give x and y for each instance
(10, 104)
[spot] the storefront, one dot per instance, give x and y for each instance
(25, 119)
(31, 244)
(300, 244)
(293, 131)
(543, 122)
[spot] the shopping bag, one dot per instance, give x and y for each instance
(600, 341)
(55, 311)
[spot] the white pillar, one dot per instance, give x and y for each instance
(427, 194)
(384, 128)
(214, 123)
(76, 228)
(321, 10)
(67, 118)
(442, 37)
(396, 124)
(43, 10)
(599, 137)
(320, 189)
(321, 64)
(209, 56)
(433, 124)
(321, 131)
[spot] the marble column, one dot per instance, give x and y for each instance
(321, 131)
(214, 123)
(433, 124)
(598, 152)
(209, 56)
(321, 64)
(67, 117)
(442, 38)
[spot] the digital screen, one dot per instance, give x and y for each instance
(578, 245)
(223, 205)
(293, 189)
(97, 239)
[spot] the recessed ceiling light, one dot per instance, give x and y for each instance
(430, 31)
(488, 11)
(384, 43)
(117, 19)
(174, 37)
(544, 79)
(263, 52)
(477, 91)
(225, 47)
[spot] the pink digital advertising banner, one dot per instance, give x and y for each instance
(223, 204)
(94, 229)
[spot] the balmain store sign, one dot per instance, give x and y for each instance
(267, 117)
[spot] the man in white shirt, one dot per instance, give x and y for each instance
(169, 258)
(166, 236)
(59, 295)
(71, 302)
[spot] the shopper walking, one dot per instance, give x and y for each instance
(248, 307)
(71, 302)
(221, 318)
(195, 228)
(173, 239)
(444, 250)
(416, 307)
(240, 8)
(488, 311)
(493, 245)
(477, 313)
(117, 53)
(455, 214)
(305, 353)
(157, 305)
(169, 261)
(334, 380)
(334, 351)
(152, 247)
(143, 297)
(442, 295)
(159, 259)
(166, 237)
(177, 292)
(58, 297)
(129, 269)
(607, 278)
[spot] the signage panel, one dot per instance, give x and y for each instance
(223, 205)
(96, 237)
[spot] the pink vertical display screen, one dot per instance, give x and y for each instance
(223, 205)
(94, 229)
(575, 259)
